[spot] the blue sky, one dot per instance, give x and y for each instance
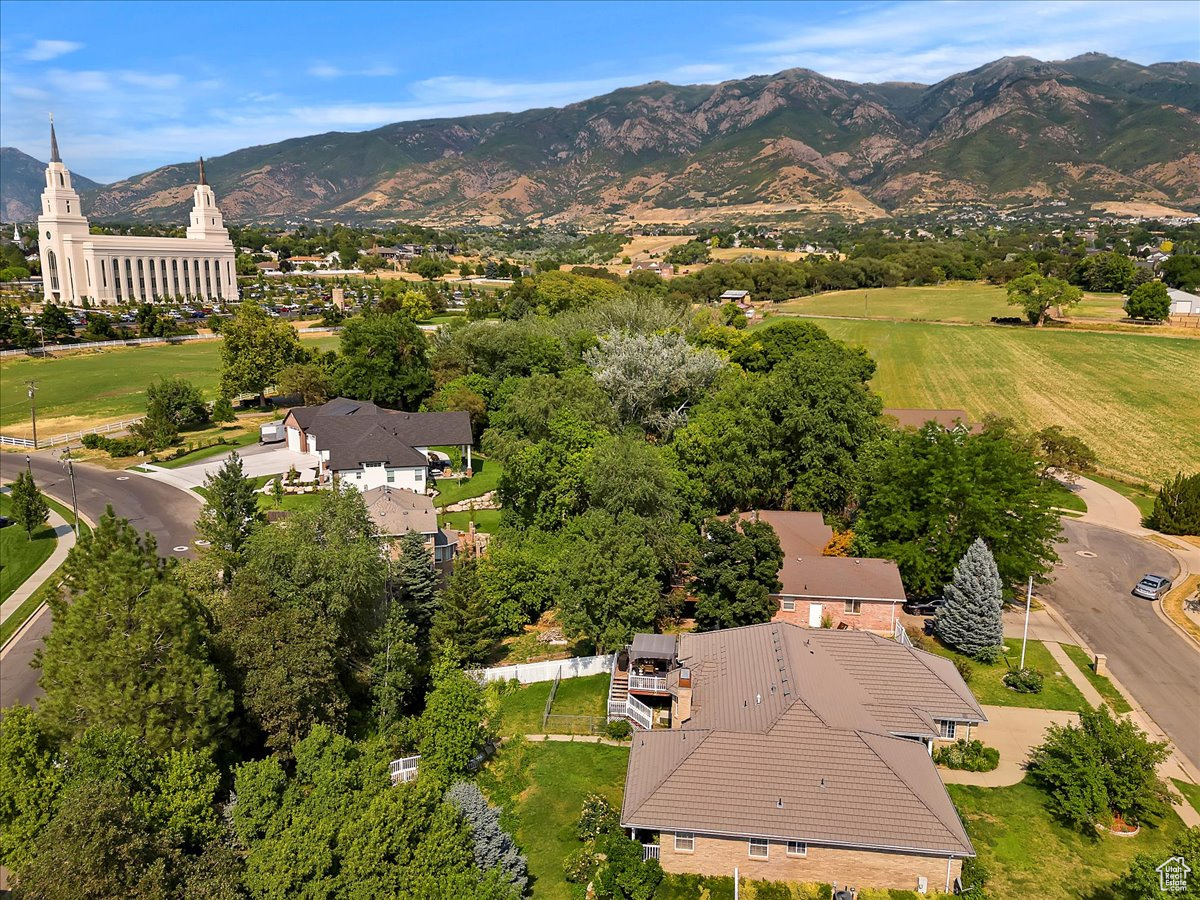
(137, 85)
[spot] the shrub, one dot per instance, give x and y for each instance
(92, 441)
(619, 730)
(965, 670)
(1177, 507)
(975, 877)
(1024, 681)
(971, 756)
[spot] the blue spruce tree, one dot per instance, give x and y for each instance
(971, 621)
(494, 847)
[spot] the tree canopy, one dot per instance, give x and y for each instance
(383, 358)
(254, 349)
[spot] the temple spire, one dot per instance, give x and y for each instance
(54, 157)
(202, 179)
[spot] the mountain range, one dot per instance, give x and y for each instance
(1018, 131)
(21, 181)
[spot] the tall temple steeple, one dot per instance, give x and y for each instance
(54, 157)
(203, 180)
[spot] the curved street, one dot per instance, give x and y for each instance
(166, 512)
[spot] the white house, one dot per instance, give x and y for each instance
(1183, 303)
(366, 446)
(109, 268)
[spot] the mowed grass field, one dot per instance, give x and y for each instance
(87, 388)
(967, 302)
(1133, 398)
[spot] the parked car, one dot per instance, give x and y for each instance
(924, 607)
(5, 521)
(1152, 587)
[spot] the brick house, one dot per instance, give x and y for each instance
(397, 511)
(803, 756)
(840, 592)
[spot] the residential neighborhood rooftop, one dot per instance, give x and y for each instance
(396, 511)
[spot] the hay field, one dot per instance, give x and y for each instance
(642, 247)
(1135, 399)
(87, 388)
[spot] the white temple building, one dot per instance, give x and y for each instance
(109, 269)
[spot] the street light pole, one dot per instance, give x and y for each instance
(70, 464)
(32, 386)
(1025, 636)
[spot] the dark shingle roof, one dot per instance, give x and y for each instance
(349, 448)
(416, 429)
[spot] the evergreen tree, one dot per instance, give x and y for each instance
(494, 847)
(464, 617)
(130, 648)
(222, 411)
(29, 508)
(231, 513)
(1177, 507)
(415, 580)
(971, 619)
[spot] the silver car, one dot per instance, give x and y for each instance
(1152, 587)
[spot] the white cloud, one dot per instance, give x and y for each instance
(41, 51)
(324, 70)
(88, 81)
(163, 82)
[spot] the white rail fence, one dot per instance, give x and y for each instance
(638, 712)
(648, 683)
(650, 851)
(532, 673)
(56, 439)
(404, 769)
(900, 634)
(138, 342)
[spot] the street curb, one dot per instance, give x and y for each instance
(16, 635)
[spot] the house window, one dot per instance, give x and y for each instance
(685, 842)
(788, 605)
(391, 476)
(797, 848)
(947, 729)
(853, 607)
(759, 848)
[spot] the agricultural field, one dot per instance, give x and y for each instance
(87, 388)
(1131, 397)
(965, 302)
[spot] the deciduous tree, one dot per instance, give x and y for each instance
(254, 349)
(1035, 295)
(452, 726)
(1149, 301)
(736, 572)
(383, 358)
(309, 381)
(29, 508)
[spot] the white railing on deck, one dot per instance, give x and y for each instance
(647, 683)
(405, 769)
(900, 634)
(639, 713)
(650, 851)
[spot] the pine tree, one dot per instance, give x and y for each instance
(971, 620)
(222, 411)
(415, 580)
(231, 513)
(494, 847)
(29, 509)
(1177, 507)
(464, 617)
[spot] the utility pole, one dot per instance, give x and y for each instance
(1025, 636)
(70, 466)
(32, 387)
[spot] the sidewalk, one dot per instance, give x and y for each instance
(66, 540)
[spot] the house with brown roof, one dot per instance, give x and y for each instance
(397, 511)
(830, 591)
(953, 420)
(803, 756)
(366, 446)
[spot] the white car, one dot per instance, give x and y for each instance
(1152, 587)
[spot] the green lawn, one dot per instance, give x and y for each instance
(956, 301)
(1030, 854)
(521, 708)
(1142, 498)
(1099, 306)
(486, 478)
(1191, 792)
(988, 685)
(1106, 388)
(1065, 498)
(485, 520)
(20, 556)
(234, 438)
(82, 389)
(541, 788)
(1111, 695)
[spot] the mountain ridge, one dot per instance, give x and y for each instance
(791, 145)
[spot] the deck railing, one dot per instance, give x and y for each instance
(900, 634)
(404, 769)
(650, 851)
(639, 712)
(657, 683)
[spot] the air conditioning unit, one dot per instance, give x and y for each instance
(922, 884)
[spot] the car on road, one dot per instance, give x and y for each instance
(1152, 587)
(924, 607)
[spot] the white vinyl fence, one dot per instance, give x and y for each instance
(136, 342)
(530, 673)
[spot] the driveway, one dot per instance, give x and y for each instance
(1091, 590)
(1014, 731)
(256, 461)
(165, 512)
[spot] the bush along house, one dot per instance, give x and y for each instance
(795, 755)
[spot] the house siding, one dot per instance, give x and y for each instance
(367, 477)
(861, 868)
(876, 616)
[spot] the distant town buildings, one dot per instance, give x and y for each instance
(107, 269)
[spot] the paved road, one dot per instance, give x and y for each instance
(1157, 664)
(166, 512)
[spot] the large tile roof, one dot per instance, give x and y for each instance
(793, 735)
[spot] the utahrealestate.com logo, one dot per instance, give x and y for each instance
(1173, 875)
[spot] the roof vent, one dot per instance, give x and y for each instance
(822, 782)
(757, 699)
(779, 803)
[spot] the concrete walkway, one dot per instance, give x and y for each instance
(274, 461)
(1014, 731)
(65, 535)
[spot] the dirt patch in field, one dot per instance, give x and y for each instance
(1145, 208)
